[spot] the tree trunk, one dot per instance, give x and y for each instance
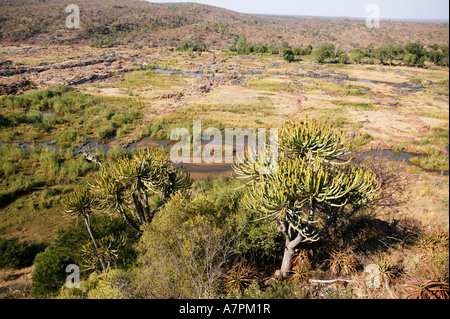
(139, 209)
(128, 220)
(289, 252)
(88, 226)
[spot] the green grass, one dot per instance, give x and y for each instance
(432, 162)
(438, 138)
(264, 108)
(32, 185)
(162, 127)
(361, 140)
(65, 116)
(347, 90)
(150, 79)
(264, 83)
(356, 105)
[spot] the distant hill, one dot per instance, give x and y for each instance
(168, 24)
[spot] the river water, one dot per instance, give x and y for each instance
(203, 171)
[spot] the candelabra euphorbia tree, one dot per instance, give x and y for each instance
(313, 185)
(125, 187)
(132, 187)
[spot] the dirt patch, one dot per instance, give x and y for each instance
(16, 284)
(13, 86)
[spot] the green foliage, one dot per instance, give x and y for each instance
(326, 51)
(289, 55)
(344, 58)
(303, 51)
(23, 170)
(412, 54)
(114, 284)
(184, 250)
(188, 46)
(107, 250)
(439, 55)
(105, 132)
(361, 140)
(241, 46)
(322, 139)
(41, 114)
(353, 90)
(49, 274)
(359, 54)
(133, 181)
(18, 254)
(313, 185)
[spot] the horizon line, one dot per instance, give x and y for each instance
(435, 20)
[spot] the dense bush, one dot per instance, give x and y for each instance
(241, 46)
(116, 284)
(41, 114)
(412, 54)
(18, 254)
(49, 274)
(184, 250)
(189, 46)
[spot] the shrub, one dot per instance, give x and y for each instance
(123, 118)
(106, 131)
(116, 284)
(4, 121)
(289, 55)
(240, 277)
(49, 274)
(185, 248)
(353, 90)
(277, 290)
(17, 254)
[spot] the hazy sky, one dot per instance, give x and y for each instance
(389, 9)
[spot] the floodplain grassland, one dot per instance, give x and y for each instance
(129, 89)
(268, 91)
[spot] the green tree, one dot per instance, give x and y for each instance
(308, 50)
(344, 58)
(289, 55)
(126, 186)
(183, 252)
(414, 54)
(326, 51)
(358, 54)
(438, 55)
(79, 204)
(49, 273)
(313, 186)
(382, 54)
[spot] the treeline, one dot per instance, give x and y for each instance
(241, 46)
(189, 46)
(411, 54)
